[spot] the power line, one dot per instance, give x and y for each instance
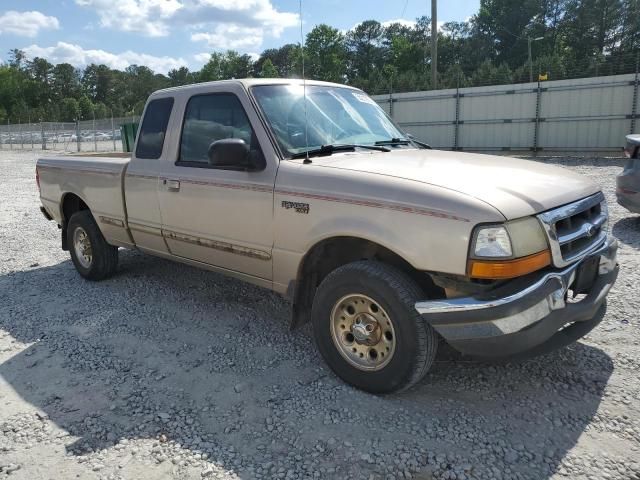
(404, 9)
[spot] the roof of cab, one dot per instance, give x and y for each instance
(250, 82)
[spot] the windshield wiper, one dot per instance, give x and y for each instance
(333, 148)
(418, 142)
(394, 141)
(404, 141)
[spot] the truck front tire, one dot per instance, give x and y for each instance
(368, 330)
(92, 256)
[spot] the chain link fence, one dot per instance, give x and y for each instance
(99, 135)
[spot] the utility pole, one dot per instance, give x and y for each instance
(434, 44)
(529, 41)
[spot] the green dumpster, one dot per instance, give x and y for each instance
(128, 132)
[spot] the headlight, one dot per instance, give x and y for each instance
(527, 235)
(492, 242)
(514, 239)
(508, 250)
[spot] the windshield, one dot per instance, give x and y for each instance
(335, 116)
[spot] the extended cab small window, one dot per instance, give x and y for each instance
(208, 119)
(154, 128)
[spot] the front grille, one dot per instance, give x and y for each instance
(575, 229)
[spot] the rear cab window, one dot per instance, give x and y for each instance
(154, 128)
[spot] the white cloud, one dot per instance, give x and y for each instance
(77, 56)
(220, 24)
(401, 21)
(202, 58)
(26, 24)
(230, 37)
(148, 17)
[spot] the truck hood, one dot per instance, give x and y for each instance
(515, 187)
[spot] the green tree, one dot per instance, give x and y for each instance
(100, 110)
(86, 108)
(454, 45)
(285, 59)
(38, 89)
(505, 23)
(326, 54)
(630, 27)
(366, 51)
(16, 58)
(98, 81)
(268, 70)
(69, 110)
(224, 66)
(591, 27)
(454, 77)
(12, 85)
(135, 84)
(580, 38)
(180, 76)
(65, 81)
(406, 47)
(486, 74)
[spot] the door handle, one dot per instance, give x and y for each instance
(172, 185)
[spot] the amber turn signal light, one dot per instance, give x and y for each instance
(499, 269)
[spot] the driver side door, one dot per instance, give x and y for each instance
(218, 215)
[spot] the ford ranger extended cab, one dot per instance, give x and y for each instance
(387, 246)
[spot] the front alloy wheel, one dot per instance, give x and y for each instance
(368, 330)
(362, 332)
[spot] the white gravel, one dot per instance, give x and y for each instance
(165, 371)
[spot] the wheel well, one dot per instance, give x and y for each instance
(332, 253)
(71, 203)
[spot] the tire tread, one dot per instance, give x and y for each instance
(105, 256)
(408, 292)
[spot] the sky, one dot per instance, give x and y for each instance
(166, 34)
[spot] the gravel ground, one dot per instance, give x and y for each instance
(165, 371)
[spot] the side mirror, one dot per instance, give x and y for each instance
(230, 153)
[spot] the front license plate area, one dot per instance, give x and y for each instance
(585, 276)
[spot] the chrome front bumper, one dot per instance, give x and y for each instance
(527, 314)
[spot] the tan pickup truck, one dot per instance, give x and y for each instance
(387, 246)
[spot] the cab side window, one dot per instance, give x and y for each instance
(209, 118)
(154, 128)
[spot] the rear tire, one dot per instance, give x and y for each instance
(92, 256)
(368, 330)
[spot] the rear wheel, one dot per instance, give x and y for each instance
(92, 256)
(368, 330)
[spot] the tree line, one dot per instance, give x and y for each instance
(569, 39)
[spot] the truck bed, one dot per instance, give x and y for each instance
(100, 154)
(97, 180)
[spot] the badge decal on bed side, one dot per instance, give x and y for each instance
(297, 206)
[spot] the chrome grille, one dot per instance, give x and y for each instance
(575, 229)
